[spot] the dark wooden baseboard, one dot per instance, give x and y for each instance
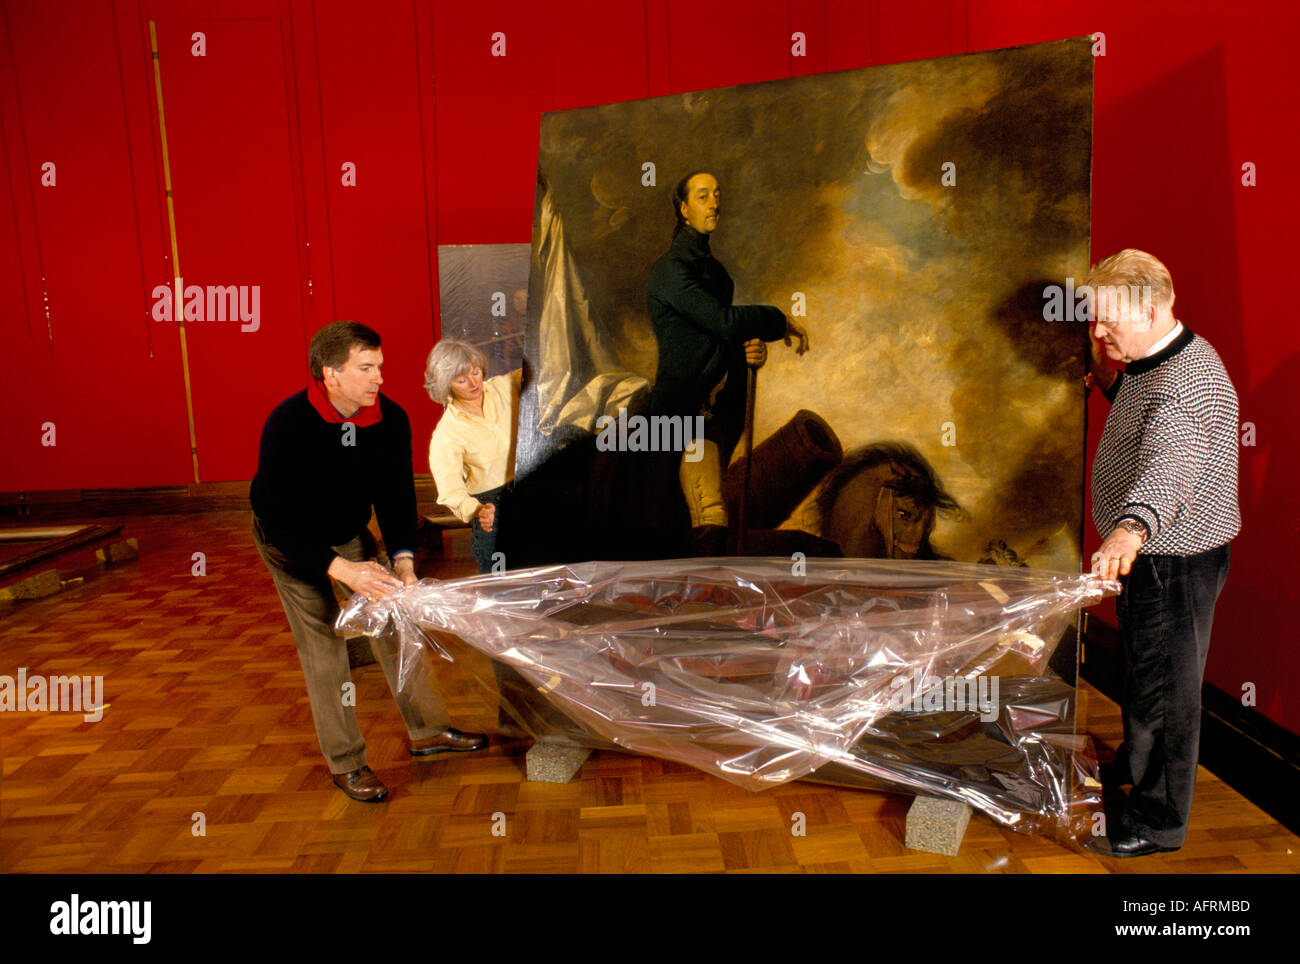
(1240, 745)
(150, 500)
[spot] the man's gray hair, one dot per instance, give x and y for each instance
(1136, 270)
(447, 362)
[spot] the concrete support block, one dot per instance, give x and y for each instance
(936, 825)
(119, 551)
(555, 762)
(41, 584)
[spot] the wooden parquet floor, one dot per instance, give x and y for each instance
(207, 715)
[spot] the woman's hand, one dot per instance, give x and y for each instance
(486, 515)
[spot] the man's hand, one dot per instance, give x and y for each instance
(794, 331)
(404, 569)
(1116, 555)
(755, 352)
(486, 515)
(368, 578)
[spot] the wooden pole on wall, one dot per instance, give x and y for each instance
(178, 300)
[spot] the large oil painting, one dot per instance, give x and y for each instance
(910, 220)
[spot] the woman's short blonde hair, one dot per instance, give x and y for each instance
(447, 362)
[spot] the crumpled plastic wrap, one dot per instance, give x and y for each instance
(927, 675)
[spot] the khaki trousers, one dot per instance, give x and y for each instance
(702, 485)
(311, 609)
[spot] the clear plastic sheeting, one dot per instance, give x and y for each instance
(1027, 768)
(922, 674)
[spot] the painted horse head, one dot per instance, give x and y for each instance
(882, 502)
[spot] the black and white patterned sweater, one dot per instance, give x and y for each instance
(1168, 455)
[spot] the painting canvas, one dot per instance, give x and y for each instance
(912, 219)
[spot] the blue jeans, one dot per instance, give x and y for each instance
(483, 545)
(1164, 614)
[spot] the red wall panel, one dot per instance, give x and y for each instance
(94, 373)
(809, 17)
(487, 113)
(658, 49)
(849, 33)
(379, 242)
(599, 53)
(235, 190)
(306, 139)
(22, 318)
(720, 43)
(913, 31)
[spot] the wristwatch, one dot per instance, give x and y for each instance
(1135, 526)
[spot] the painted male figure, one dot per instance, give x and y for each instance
(328, 455)
(705, 344)
(1164, 499)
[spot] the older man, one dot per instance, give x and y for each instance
(1164, 499)
(328, 454)
(705, 344)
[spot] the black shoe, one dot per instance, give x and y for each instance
(1126, 846)
(449, 741)
(361, 785)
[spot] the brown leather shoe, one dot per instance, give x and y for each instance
(449, 741)
(361, 785)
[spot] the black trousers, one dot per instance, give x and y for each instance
(1165, 612)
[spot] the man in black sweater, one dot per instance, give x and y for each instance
(328, 454)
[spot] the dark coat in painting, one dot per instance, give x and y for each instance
(701, 337)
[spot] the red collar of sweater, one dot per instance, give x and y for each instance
(366, 415)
